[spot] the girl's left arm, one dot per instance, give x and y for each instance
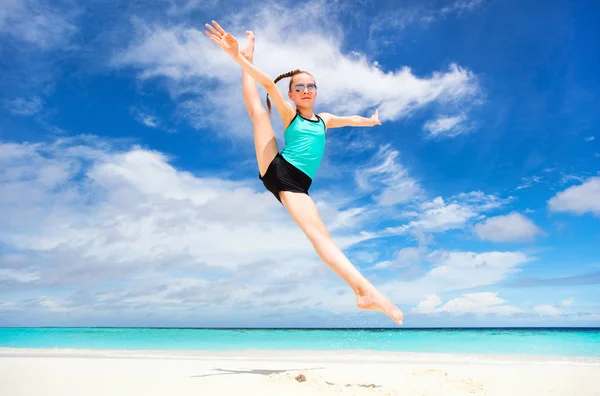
(333, 121)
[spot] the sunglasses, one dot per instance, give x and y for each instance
(300, 87)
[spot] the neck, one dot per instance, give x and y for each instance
(306, 113)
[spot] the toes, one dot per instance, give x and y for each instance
(398, 317)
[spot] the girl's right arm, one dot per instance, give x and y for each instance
(230, 45)
(285, 109)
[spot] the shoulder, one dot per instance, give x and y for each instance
(326, 117)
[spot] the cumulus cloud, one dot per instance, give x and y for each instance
(189, 63)
(579, 199)
(457, 270)
(439, 216)
(455, 213)
(483, 303)
(84, 213)
(162, 213)
(513, 227)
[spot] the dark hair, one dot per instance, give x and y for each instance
(282, 76)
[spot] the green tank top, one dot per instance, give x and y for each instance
(305, 144)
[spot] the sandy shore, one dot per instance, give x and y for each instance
(28, 372)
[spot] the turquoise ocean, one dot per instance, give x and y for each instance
(511, 341)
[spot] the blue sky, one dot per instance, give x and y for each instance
(128, 182)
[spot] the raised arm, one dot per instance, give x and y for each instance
(230, 45)
(333, 121)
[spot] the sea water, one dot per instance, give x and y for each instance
(513, 341)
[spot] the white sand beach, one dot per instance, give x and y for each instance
(29, 372)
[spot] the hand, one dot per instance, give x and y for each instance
(375, 118)
(225, 40)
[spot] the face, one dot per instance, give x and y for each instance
(304, 90)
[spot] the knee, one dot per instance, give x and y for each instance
(257, 112)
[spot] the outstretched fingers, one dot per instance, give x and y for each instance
(212, 30)
(225, 40)
(220, 42)
(219, 28)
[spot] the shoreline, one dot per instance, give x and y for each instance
(304, 355)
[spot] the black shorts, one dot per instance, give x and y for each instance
(283, 176)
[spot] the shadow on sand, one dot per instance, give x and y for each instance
(253, 371)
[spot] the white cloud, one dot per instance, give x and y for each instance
(404, 257)
(24, 107)
(51, 304)
(7, 274)
(568, 302)
(460, 6)
(480, 201)
(528, 182)
(36, 22)
(6, 306)
(441, 216)
(189, 62)
(513, 227)
(437, 216)
(401, 17)
(389, 178)
(590, 138)
(157, 206)
(429, 305)
(187, 6)
(149, 118)
(446, 126)
(483, 303)
(566, 178)
(547, 310)
(578, 199)
(457, 271)
(79, 213)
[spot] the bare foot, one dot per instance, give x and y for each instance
(248, 51)
(374, 300)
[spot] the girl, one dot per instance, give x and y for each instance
(288, 174)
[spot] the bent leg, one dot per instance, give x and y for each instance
(305, 214)
(265, 142)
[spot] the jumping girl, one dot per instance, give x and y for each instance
(288, 174)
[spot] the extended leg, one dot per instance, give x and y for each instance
(304, 212)
(264, 137)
